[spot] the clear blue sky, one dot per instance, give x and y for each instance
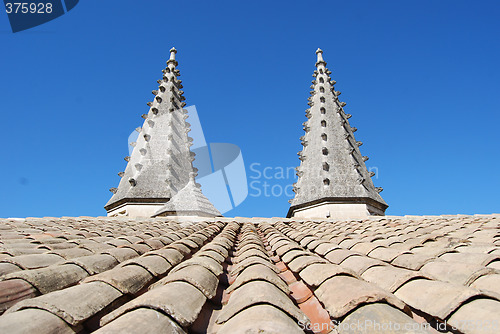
(421, 79)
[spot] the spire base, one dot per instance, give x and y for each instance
(338, 208)
(135, 207)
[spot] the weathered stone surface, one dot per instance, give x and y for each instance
(180, 300)
(330, 147)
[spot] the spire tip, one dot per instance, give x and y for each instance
(320, 60)
(173, 51)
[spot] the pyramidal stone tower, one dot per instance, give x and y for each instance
(333, 180)
(160, 169)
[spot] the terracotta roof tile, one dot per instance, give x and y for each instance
(127, 280)
(436, 298)
(142, 320)
(386, 254)
(172, 255)
(337, 256)
(259, 292)
(200, 259)
(359, 264)
(121, 254)
(50, 278)
(7, 268)
(475, 258)
(154, 264)
(390, 278)
(34, 261)
(261, 319)
(261, 273)
(315, 274)
(478, 316)
(414, 256)
(488, 283)
(252, 261)
(13, 291)
(381, 318)
(94, 264)
(326, 247)
(196, 275)
(301, 262)
(180, 300)
(459, 273)
(343, 294)
(412, 261)
(33, 321)
(67, 303)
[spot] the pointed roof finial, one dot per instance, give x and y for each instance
(173, 51)
(192, 176)
(320, 60)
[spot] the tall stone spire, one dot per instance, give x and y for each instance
(333, 180)
(161, 162)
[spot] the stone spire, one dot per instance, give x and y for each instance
(189, 201)
(161, 161)
(333, 180)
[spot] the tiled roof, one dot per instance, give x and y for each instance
(249, 275)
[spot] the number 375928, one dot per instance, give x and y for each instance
(25, 7)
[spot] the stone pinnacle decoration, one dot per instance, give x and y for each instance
(161, 163)
(189, 201)
(333, 180)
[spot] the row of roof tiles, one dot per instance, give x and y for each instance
(229, 277)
